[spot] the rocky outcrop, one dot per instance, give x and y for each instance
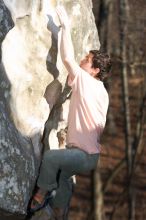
(32, 88)
(17, 159)
(5, 24)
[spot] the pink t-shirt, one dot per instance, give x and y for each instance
(87, 112)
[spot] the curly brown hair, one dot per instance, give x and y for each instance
(103, 62)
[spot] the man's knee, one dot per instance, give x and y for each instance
(47, 156)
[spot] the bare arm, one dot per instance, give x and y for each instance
(66, 45)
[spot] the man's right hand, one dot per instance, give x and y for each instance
(63, 17)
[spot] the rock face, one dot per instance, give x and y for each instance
(5, 24)
(17, 159)
(32, 78)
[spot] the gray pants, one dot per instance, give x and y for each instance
(68, 162)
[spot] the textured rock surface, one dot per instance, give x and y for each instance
(18, 170)
(5, 24)
(32, 78)
(16, 164)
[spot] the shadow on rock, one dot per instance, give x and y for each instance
(52, 54)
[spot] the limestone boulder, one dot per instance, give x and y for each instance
(32, 87)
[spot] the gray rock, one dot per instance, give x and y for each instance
(17, 159)
(6, 22)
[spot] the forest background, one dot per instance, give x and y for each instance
(118, 185)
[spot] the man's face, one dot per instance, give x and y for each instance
(86, 64)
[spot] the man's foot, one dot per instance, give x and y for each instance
(39, 200)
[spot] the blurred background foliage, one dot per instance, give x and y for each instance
(116, 191)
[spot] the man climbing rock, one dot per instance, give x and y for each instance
(86, 121)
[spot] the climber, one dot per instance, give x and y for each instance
(86, 121)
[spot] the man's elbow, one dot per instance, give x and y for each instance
(67, 60)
